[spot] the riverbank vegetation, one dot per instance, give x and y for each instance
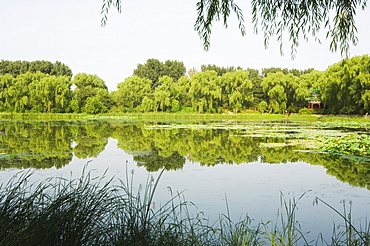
(40, 87)
(91, 211)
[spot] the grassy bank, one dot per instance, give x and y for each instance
(160, 115)
(90, 211)
(41, 116)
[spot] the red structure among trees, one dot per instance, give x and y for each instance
(314, 101)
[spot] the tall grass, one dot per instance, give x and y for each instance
(91, 211)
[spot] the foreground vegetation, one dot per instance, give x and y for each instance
(56, 205)
(90, 211)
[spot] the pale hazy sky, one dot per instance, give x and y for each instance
(69, 31)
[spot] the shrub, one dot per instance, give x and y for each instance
(306, 111)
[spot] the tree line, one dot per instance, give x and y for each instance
(16, 68)
(157, 86)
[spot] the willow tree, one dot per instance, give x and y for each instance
(281, 90)
(132, 92)
(166, 95)
(236, 90)
(276, 18)
(88, 86)
(6, 82)
(205, 92)
(50, 94)
(345, 86)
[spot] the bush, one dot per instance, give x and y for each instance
(94, 106)
(306, 111)
(293, 109)
(187, 110)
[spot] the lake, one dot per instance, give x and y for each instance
(245, 165)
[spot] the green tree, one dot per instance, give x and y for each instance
(63, 94)
(60, 69)
(95, 106)
(205, 92)
(266, 71)
(164, 94)
(37, 92)
(43, 66)
(345, 86)
(6, 82)
(153, 69)
(16, 68)
(174, 69)
(257, 89)
(132, 91)
(50, 94)
(148, 104)
(237, 90)
(281, 90)
(220, 70)
(278, 99)
(182, 91)
(19, 92)
(262, 106)
(90, 86)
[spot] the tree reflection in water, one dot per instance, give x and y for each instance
(46, 144)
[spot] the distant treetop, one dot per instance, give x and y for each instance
(16, 68)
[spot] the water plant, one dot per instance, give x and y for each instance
(354, 146)
(350, 235)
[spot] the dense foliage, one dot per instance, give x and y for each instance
(44, 93)
(153, 69)
(36, 92)
(344, 88)
(16, 68)
(163, 87)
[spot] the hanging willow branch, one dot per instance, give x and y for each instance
(105, 9)
(210, 11)
(306, 18)
(276, 18)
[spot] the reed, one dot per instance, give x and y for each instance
(92, 211)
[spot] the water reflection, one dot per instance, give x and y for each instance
(46, 144)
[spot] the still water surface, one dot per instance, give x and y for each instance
(249, 164)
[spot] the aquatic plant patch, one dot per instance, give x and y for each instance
(353, 144)
(343, 124)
